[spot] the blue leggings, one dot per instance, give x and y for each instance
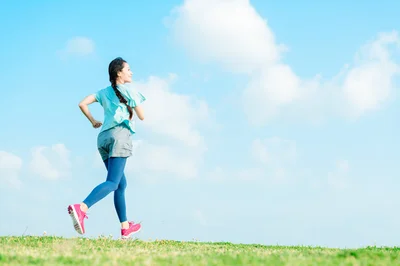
(116, 181)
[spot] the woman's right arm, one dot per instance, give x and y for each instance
(84, 106)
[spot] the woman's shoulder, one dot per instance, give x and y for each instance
(105, 90)
(125, 86)
(127, 89)
(130, 91)
(104, 94)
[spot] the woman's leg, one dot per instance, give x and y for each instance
(127, 228)
(116, 166)
(119, 200)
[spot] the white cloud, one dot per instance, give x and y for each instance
(234, 35)
(268, 92)
(369, 83)
(79, 45)
(10, 166)
(50, 162)
(173, 115)
(364, 86)
(227, 32)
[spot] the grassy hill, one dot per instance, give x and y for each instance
(47, 250)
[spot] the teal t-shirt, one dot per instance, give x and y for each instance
(115, 112)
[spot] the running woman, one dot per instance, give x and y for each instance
(114, 143)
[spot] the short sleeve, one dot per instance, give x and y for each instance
(136, 98)
(97, 96)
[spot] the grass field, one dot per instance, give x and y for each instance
(49, 250)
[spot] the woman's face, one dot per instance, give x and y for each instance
(125, 75)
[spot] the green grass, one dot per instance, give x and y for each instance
(48, 250)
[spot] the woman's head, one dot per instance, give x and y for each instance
(119, 71)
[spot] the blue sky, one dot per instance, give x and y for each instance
(266, 122)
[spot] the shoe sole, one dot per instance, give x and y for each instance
(128, 236)
(75, 220)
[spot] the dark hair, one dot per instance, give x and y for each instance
(114, 67)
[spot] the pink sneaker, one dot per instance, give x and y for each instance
(133, 228)
(77, 217)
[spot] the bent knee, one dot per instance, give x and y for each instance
(122, 186)
(112, 186)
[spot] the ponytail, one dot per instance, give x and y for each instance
(121, 98)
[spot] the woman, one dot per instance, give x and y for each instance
(114, 143)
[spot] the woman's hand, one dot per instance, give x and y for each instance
(96, 124)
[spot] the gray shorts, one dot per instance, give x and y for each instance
(115, 142)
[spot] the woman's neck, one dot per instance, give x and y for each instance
(119, 82)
